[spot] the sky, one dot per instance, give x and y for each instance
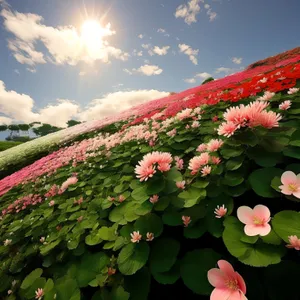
(87, 59)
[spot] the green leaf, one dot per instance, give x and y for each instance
(172, 218)
(163, 255)
(264, 158)
(149, 223)
(140, 194)
(45, 249)
(192, 196)
(286, 223)
(163, 203)
(256, 255)
(93, 239)
(196, 230)
(119, 294)
(215, 225)
(234, 163)
(292, 152)
(272, 238)
(90, 266)
(232, 178)
(194, 268)
(107, 233)
(67, 289)
(138, 285)
(133, 257)
(31, 278)
(154, 186)
(169, 277)
(260, 181)
(117, 215)
(228, 152)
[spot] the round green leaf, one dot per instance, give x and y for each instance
(133, 257)
(31, 278)
(260, 181)
(169, 277)
(256, 255)
(163, 255)
(194, 268)
(286, 223)
(149, 223)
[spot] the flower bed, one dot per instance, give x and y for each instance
(201, 196)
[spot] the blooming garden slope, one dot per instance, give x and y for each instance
(198, 192)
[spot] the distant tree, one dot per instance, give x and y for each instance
(208, 80)
(24, 127)
(73, 123)
(45, 129)
(13, 128)
(3, 127)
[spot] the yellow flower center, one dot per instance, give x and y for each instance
(293, 187)
(232, 284)
(258, 221)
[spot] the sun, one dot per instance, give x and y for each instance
(92, 34)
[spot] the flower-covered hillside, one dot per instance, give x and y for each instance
(198, 195)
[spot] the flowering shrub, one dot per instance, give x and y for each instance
(202, 198)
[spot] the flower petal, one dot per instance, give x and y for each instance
(285, 190)
(216, 278)
(264, 230)
(226, 268)
(252, 230)
(245, 214)
(241, 282)
(288, 177)
(297, 194)
(262, 212)
(220, 294)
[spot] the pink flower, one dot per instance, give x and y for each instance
(52, 203)
(215, 118)
(79, 219)
(69, 181)
(187, 126)
(7, 242)
(172, 133)
(268, 119)
(121, 198)
(197, 162)
(228, 284)
(186, 220)
(42, 239)
(290, 184)
(9, 292)
(111, 271)
(150, 236)
(202, 148)
(214, 145)
(179, 162)
(264, 80)
(154, 199)
(227, 129)
(256, 220)
(79, 201)
(205, 171)
(215, 160)
(136, 237)
(266, 96)
(195, 124)
(220, 211)
(293, 91)
(180, 184)
(151, 143)
(111, 199)
(184, 114)
(39, 294)
(294, 242)
(285, 105)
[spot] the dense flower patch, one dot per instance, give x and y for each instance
(199, 198)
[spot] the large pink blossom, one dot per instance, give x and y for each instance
(228, 284)
(256, 220)
(214, 145)
(147, 166)
(285, 105)
(197, 162)
(290, 184)
(227, 129)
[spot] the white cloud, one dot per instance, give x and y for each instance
(64, 44)
(19, 107)
(140, 36)
(5, 121)
(127, 71)
(188, 11)
(190, 80)
(82, 73)
(17, 71)
(191, 53)
(146, 61)
(203, 75)
(237, 60)
(212, 15)
(145, 46)
(149, 70)
(137, 53)
(32, 70)
(161, 51)
(114, 103)
(162, 30)
(206, 6)
(223, 70)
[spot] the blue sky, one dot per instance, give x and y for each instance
(37, 69)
